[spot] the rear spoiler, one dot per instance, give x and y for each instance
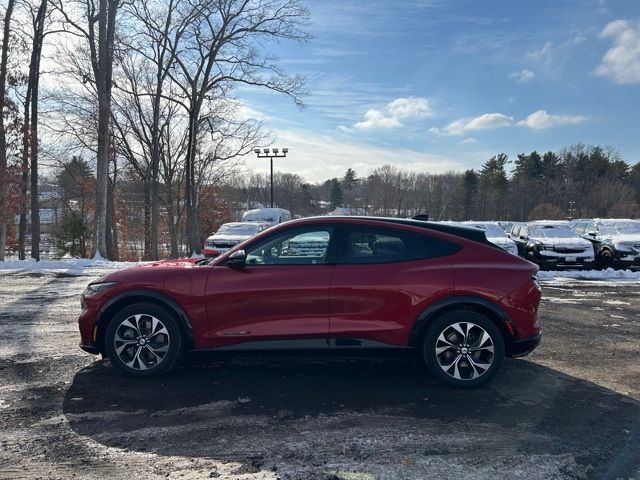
(469, 233)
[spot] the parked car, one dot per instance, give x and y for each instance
(552, 245)
(440, 292)
(229, 235)
(272, 216)
(616, 242)
(506, 227)
(495, 234)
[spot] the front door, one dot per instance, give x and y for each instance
(280, 298)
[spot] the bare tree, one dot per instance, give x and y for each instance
(4, 213)
(100, 44)
(33, 91)
(220, 48)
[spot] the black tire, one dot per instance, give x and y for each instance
(466, 365)
(143, 363)
(531, 256)
(606, 260)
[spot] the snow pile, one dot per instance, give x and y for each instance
(76, 266)
(608, 274)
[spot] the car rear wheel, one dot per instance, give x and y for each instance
(143, 340)
(463, 349)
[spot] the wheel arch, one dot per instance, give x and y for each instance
(125, 299)
(494, 312)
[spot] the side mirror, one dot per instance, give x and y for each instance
(237, 259)
(523, 237)
(591, 233)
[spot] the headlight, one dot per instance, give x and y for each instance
(95, 288)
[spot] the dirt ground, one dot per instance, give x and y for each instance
(569, 410)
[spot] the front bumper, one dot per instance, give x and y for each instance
(551, 259)
(523, 347)
(628, 260)
(90, 349)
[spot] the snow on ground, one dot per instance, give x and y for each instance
(76, 266)
(608, 274)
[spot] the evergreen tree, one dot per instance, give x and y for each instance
(335, 195)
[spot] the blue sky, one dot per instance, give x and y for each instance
(437, 85)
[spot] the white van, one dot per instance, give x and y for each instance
(272, 216)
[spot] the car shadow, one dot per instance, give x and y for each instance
(240, 409)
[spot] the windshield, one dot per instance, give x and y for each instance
(244, 229)
(626, 228)
(551, 232)
(492, 230)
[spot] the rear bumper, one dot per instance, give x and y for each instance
(523, 347)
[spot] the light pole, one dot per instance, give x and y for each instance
(275, 153)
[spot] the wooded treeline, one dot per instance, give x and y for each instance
(577, 181)
(121, 135)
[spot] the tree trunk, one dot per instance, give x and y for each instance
(111, 227)
(4, 213)
(34, 80)
(147, 221)
(155, 162)
(103, 74)
(173, 231)
(22, 231)
(193, 225)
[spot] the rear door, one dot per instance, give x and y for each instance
(383, 280)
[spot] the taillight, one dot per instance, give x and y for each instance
(534, 279)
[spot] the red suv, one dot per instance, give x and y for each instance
(356, 284)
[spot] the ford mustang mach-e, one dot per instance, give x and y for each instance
(328, 284)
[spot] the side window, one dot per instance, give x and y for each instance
(299, 247)
(515, 231)
(524, 231)
(375, 245)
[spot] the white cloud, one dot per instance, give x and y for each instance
(318, 157)
(523, 75)
(483, 122)
(376, 119)
(412, 107)
(541, 119)
(621, 63)
(395, 111)
(543, 55)
(537, 121)
(469, 141)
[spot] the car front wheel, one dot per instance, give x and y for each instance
(606, 260)
(143, 340)
(463, 349)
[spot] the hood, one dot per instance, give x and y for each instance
(563, 242)
(228, 238)
(625, 238)
(154, 269)
(501, 241)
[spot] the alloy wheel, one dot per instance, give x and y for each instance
(141, 342)
(464, 350)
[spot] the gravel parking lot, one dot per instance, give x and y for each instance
(569, 410)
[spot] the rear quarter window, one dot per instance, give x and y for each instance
(379, 245)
